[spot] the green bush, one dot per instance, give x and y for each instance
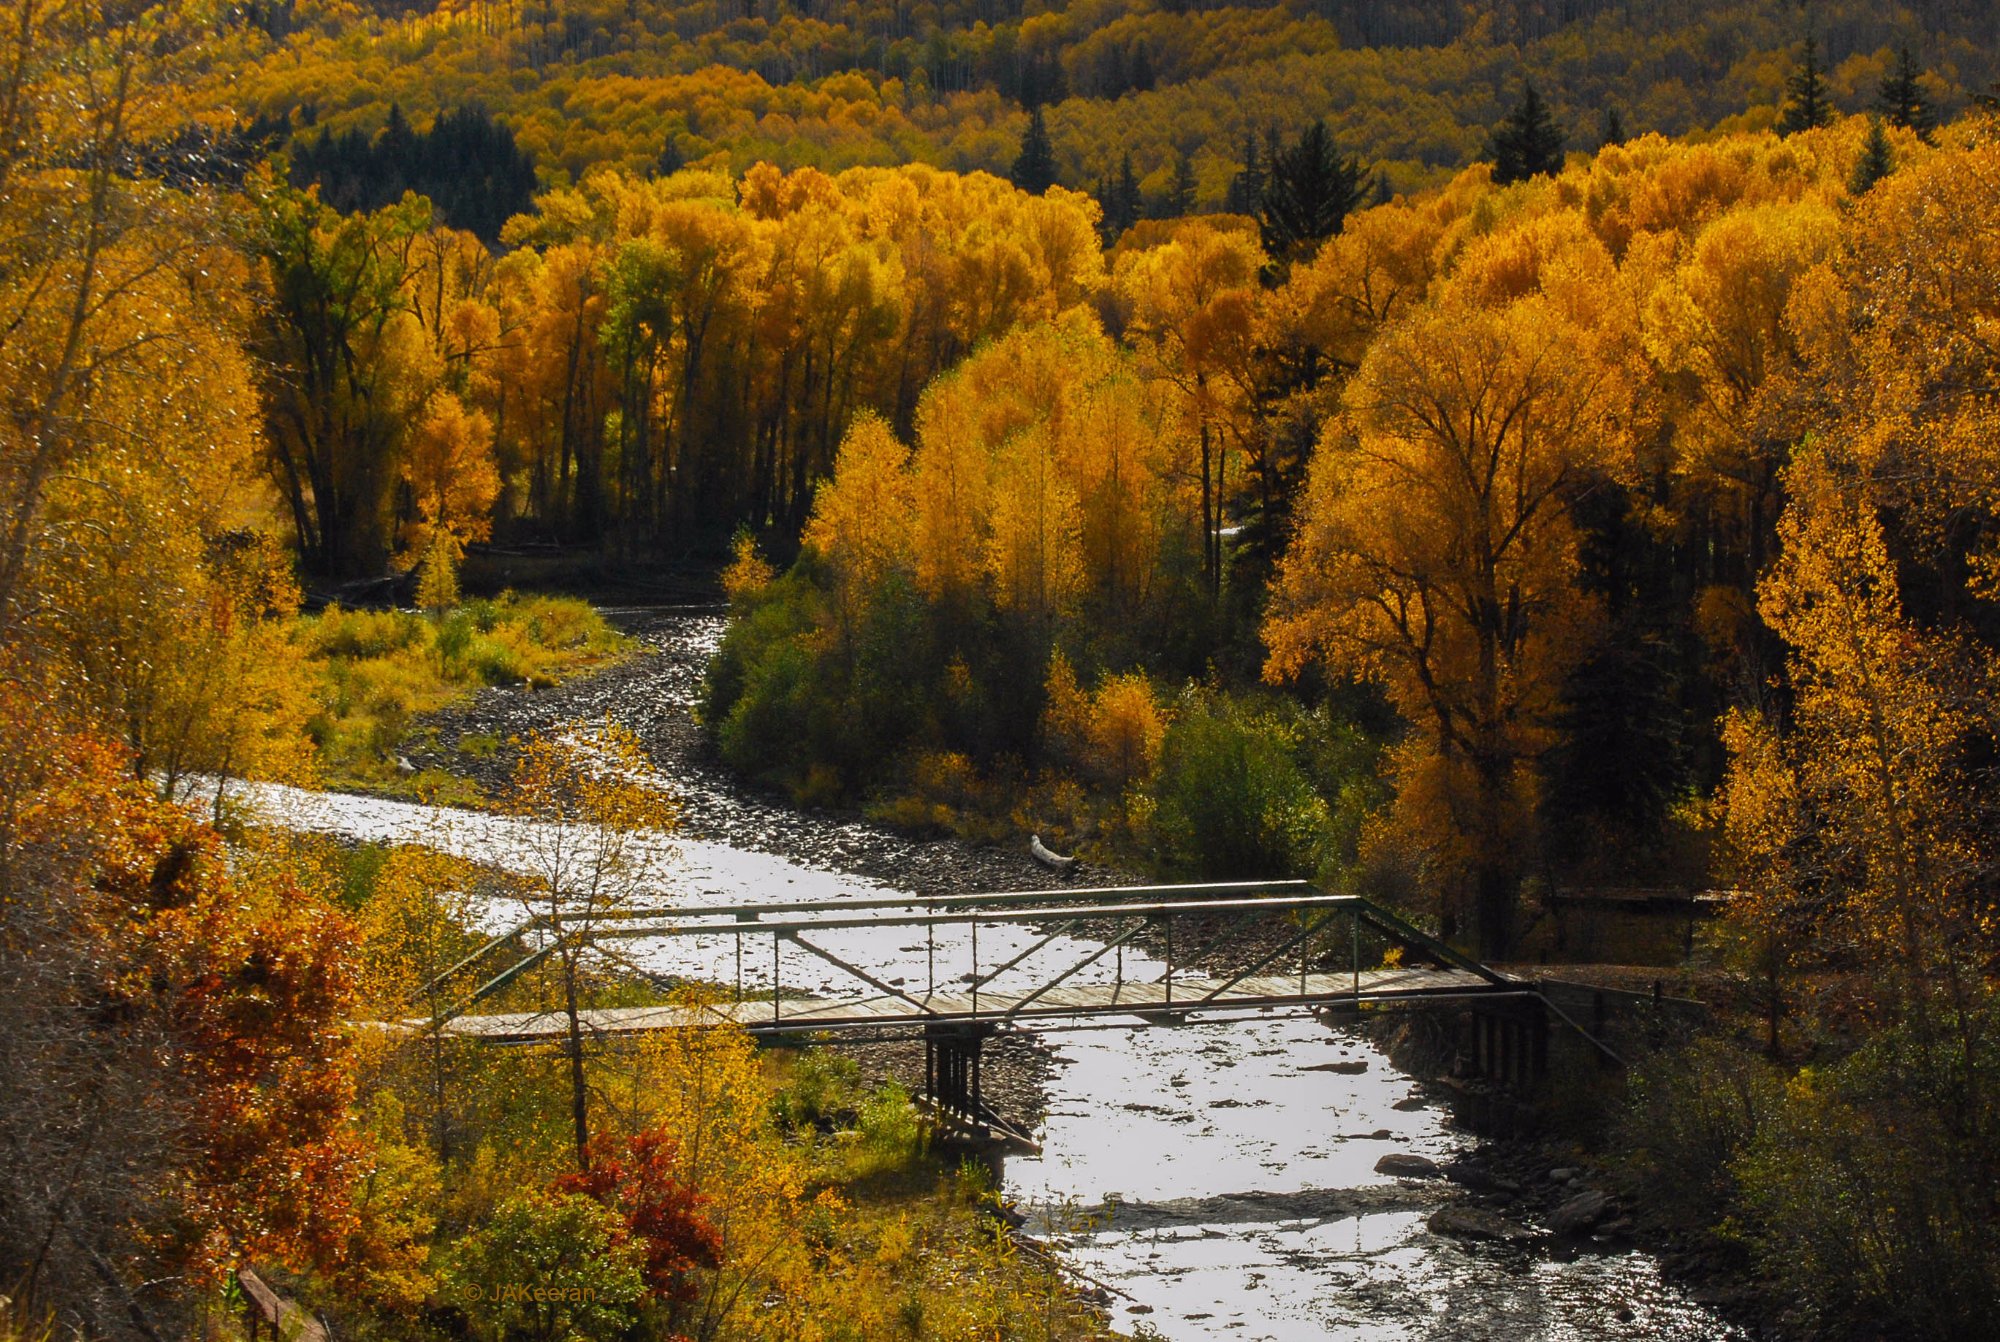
(492, 662)
(823, 1090)
(1691, 1113)
(548, 1269)
(768, 730)
(560, 622)
(1871, 1189)
(890, 1131)
(350, 635)
(1230, 800)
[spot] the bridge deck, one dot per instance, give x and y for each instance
(1068, 1002)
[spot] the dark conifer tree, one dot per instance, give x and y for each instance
(1611, 129)
(1140, 76)
(671, 159)
(396, 150)
(1179, 202)
(1385, 190)
(1876, 162)
(1311, 191)
(1900, 97)
(1127, 192)
(1034, 168)
(1528, 143)
(1246, 189)
(467, 164)
(1807, 105)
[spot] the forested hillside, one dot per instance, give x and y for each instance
(1410, 87)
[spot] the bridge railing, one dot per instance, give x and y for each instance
(1117, 917)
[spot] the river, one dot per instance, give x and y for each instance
(1216, 1178)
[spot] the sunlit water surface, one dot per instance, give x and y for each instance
(1216, 1179)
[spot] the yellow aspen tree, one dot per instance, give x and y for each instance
(861, 520)
(953, 491)
(1435, 553)
(1193, 303)
(599, 818)
(1034, 553)
(1851, 823)
(451, 476)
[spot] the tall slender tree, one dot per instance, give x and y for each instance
(1180, 198)
(1900, 97)
(1611, 128)
(1807, 102)
(1035, 166)
(1876, 162)
(1246, 189)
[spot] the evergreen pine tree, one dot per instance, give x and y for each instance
(671, 159)
(1807, 105)
(395, 148)
(1385, 190)
(1128, 194)
(1035, 167)
(1877, 160)
(1311, 191)
(1121, 201)
(1528, 142)
(1246, 189)
(1179, 203)
(1900, 98)
(1611, 129)
(1140, 77)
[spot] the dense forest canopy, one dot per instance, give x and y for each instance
(1412, 87)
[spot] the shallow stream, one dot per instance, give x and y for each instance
(1216, 1179)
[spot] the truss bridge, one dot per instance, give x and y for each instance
(956, 969)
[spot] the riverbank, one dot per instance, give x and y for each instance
(1554, 1161)
(1220, 1165)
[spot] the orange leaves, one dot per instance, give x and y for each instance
(450, 473)
(640, 1179)
(219, 988)
(1855, 814)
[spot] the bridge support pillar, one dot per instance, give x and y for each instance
(951, 1067)
(1511, 1044)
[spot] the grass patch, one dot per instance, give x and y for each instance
(376, 672)
(919, 1232)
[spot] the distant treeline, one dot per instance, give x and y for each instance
(1410, 87)
(467, 164)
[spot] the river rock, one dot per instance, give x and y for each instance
(1409, 1104)
(1561, 1176)
(1345, 1068)
(1408, 1165)
(1579, 1213)
(1460, 1222)
(1481, 1180)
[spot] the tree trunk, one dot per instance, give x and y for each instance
(579, 1095)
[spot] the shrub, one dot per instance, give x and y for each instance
(1871, 1189)
(890, 1131)
(823, 1090)
(768, 729)
(1692, 1112)
(582, 1274)
(1126, 730)
(351, 635)
(1230, 800)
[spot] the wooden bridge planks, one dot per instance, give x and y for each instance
(1065, 1003)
